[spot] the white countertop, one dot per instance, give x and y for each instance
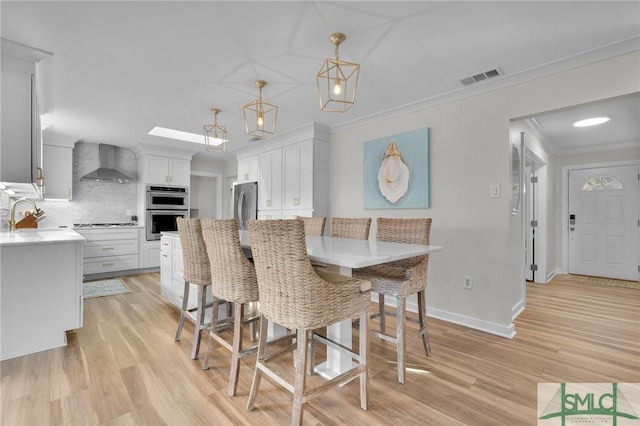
(39, 236)
(348, 252)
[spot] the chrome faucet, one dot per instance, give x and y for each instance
(12, 220)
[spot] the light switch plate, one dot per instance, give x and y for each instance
(495, 191)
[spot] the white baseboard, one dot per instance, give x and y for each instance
(477, 324)
(517, 310)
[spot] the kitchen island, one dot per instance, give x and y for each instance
(40, 289)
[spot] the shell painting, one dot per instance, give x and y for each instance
(393, 174)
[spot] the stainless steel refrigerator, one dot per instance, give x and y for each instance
(245, 203)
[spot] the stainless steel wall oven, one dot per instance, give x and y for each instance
(164, 204)
(167, 198)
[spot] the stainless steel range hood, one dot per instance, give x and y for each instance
(106, 171)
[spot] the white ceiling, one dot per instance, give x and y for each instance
(121, 68)
(622, 131)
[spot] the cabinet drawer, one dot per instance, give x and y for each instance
(110, 263)
(110, 248)
(108, 234)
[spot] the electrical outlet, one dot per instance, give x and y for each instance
(468, 282)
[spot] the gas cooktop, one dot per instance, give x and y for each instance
(102, 225)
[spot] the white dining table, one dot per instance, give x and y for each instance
(342, 255)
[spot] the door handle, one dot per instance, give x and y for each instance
(240, 208)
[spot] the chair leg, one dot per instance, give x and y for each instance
(364, 358)
(212, 329)
(422, 316)
(311, 356)
(185, 304)
(401, 337)
(253, 329)
(236, 348)
(300, 377)
(197, 329)
(257, 373)
(383, 314)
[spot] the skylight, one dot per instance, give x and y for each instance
(591, 122)
(182, 136)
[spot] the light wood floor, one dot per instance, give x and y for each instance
(123, 368)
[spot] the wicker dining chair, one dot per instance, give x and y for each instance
(313, 225)
(400, 279)
(351, 227)
(197, 271)
(293, 295)
(233, 279)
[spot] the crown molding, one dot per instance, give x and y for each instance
(591, 56)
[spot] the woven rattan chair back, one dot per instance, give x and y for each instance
(409, 231)
(313, 225)
(351, 227)
(197, 269)
(290, 289)
(233, 276)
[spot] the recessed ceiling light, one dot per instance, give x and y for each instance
(591, 122)
(180, 135)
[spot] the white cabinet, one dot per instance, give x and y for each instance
(41, 295)
(298, 176)
(248, 169)
(25, 94)
(165, 170)
(292, 173)
(270, 214)
(58, 172)
(109, 250)
(171, 273)
(149, 252)
(270, 180)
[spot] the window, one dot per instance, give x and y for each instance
(602, 183)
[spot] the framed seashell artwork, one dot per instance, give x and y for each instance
(396, 171)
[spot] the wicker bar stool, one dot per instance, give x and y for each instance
(400, 279)
(196, 271)
(293, 295)
(351, 227)
(313, 225)
(233, 279)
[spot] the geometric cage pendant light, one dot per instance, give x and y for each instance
(337, 80)
(260, 117)
(215, 136)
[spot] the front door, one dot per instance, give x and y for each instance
(603, 222)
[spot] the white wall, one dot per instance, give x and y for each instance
(470, 150)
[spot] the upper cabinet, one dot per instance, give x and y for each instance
(298, 182)
(292, 173)
(166, 171)
(248, 169)
(58, 172)
(24, 92)
(270, 180)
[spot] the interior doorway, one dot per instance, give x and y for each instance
(603, 219)
(206, 195)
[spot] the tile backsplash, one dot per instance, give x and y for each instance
(94, 202)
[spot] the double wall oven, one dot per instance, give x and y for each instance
(164, 204)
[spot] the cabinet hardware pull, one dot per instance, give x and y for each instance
(107, 264)
(40, 177)
(164, 255)
(108, 248)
